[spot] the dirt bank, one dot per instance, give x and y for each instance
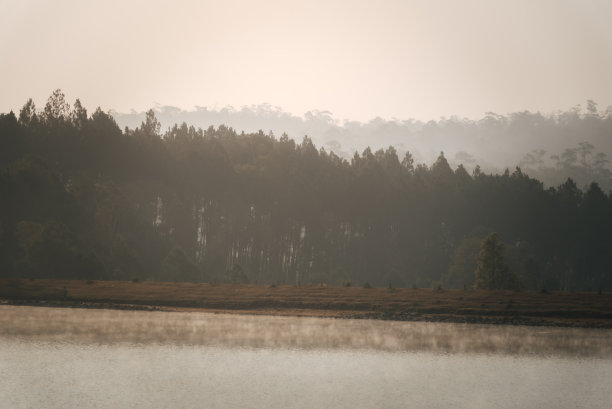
(485, 307)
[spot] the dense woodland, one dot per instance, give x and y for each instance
(81, 198)
(551, 147)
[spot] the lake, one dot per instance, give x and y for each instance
(85, 358)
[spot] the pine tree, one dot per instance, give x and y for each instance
(492, 272)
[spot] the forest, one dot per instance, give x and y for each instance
(551, 146)
(80, 198)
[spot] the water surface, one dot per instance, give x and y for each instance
(77, 358)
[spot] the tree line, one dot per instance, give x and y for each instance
(83, 199)
(551, 147)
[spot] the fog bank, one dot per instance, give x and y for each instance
(573, 143)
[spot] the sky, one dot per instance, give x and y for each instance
(359, 60)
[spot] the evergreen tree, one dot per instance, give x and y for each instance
(492, 272)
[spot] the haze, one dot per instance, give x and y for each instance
(358, 60)
(108, 327)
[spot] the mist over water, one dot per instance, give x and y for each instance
(60, 358)
(109, 327)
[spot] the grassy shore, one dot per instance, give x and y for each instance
(471, 306)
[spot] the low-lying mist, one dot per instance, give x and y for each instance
(250, 331)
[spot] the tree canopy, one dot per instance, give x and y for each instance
(81, 198)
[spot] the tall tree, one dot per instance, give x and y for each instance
(56, 109)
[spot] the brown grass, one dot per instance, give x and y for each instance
(497, 307)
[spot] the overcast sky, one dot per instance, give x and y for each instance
(359, 60)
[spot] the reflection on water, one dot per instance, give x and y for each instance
(64, 358)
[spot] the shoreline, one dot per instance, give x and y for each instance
(579, 310)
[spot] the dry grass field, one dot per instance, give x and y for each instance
(495, 307)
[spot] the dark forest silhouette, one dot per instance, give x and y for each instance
(551, 147)
(80, 198)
